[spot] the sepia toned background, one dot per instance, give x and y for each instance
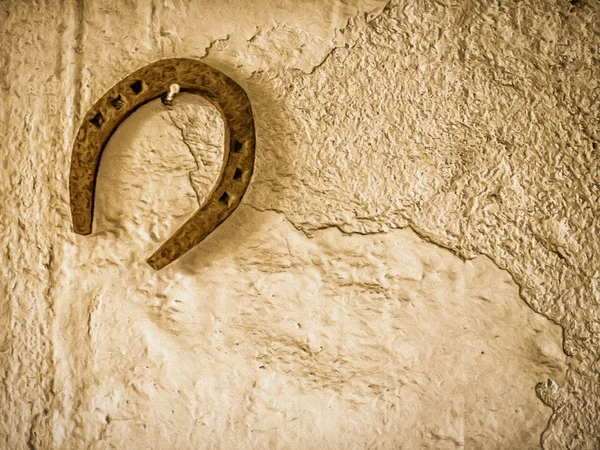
(414, 265)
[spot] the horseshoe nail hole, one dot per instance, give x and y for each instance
(237, 146)
(224, 198)
(137, 86)
(117, 102)
(238, 174)
(97, 120)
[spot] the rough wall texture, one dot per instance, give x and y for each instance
(318, 315)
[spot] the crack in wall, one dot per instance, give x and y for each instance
(199, 195)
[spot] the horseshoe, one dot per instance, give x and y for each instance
(161, 79)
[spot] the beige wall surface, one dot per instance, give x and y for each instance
(414, 265)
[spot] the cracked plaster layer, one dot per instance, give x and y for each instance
(477, 126)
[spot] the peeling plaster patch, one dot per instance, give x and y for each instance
(295, 45)
(325, 331)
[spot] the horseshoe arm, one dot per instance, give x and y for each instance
(142, 86)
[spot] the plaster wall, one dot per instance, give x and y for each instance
(413, 266)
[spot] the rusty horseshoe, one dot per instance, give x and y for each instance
(162, 79)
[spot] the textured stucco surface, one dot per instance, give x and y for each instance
(328, 310)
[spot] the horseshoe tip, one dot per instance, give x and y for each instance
(83, 229)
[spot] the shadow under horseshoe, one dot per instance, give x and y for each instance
(162, 79)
